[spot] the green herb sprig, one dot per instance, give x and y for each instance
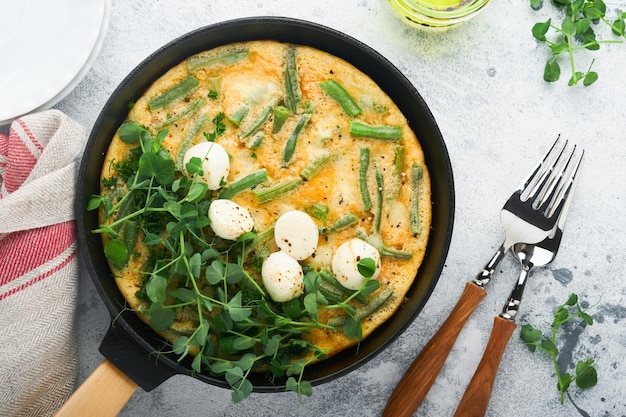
(585, 375)
(236, 327)
(575, 33)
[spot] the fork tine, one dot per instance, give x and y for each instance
(556, 184)
(560, 206)
(538, 177)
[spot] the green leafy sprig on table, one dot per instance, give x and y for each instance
(575, 33)
(237, 329)
(585, 375)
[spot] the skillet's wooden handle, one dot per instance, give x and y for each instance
(416, 382)
(104, 393)
(476, 398)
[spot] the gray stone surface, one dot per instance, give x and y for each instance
(483, 82)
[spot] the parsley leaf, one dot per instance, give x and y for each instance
(220, 128)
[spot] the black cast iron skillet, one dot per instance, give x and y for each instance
(130, 344)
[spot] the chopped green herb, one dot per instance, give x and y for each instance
(219, 128)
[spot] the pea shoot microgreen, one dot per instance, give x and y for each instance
(366, 267)
(574, 34)
(236, 328)
(585, 375)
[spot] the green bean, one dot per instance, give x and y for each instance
(398, 160)
(257, 123)
(191, 109)
(329, 279)
(343, 222)
(367, 309)
(177, 92)
(270, 193)
(280, 117)
(330, 295)
(292, 86)
(125, 209)
(341, 96)
(417, 173)
(314, 167)
(318, 210)
(186, 142)
(383, 132)
(379, 108)
(398, 171)
(379, 203)
(215, 86)
(225, 58)
(130, 238)
(255, 141)
(395, 253)
(364, 162)
(251, 180)
(376, 241)
(259, 241)
(237, 117)
(290, 144)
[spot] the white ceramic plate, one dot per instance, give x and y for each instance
(47, 48)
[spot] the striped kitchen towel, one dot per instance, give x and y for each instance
(38, 263)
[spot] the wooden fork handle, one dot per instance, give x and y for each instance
(476, 398)
(104, 393)
(416, 382)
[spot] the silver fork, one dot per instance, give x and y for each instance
(477, 394)
(528, 216)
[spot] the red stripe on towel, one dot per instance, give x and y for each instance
(4, 145)
(23, 251)
(30, 134)
(4, 150)
(40, 277)
(20, 162)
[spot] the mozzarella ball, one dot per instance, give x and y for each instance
(346, 259)
(296, 234)
(215, 163)
(229, 220)
(282, 277)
